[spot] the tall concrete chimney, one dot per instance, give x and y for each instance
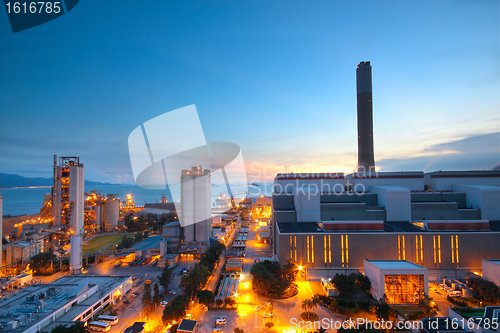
(366, 160)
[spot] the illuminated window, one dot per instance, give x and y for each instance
(399, 247)
(416, 247)
(434, 239)
(404, 249)
(456, 246)
(439, 248)
(307, 249)
(421, 250)
(347, 250)
(291, 248)
(295, 246)
(312, 249)
(403, 288)
(342, 248)
(329, 249)
(324, 246)
(452, 251)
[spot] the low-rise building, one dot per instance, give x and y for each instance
(188, 326)
(41, 307)
(397, 281)
(491, 270)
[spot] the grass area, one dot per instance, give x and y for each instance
(468, 312)
(100, 242)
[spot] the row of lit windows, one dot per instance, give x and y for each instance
(344, 244)
(310, 249)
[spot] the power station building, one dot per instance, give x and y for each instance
(332, 223)
(446, 222)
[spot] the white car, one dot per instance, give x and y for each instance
(172, 292)
(258, 308)
(163, 303)
(220, 321)
(189, 316)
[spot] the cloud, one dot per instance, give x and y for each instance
(476, 152)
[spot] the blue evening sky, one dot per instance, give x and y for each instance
(275, 77)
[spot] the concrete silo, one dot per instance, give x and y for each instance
(195, 213)
(111, 209)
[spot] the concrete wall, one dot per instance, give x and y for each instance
(324, 185)
(486, 198)
(307, 204)
(396, 200)
(434, 211)
(343, 211)
(363, 183)
(285, 216)
(446, 183)
(491, 271)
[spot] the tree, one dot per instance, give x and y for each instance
(176, 309)
(383, 311)
(344, 284)
(192, 282)
(147, 298)
(157, 295)
(321, 329)
(219, 302)
(125, 242)
(42, 262)
(206, 297)
(306, 306)
(238, 330)
(484, 289)
(166, 277)
(230, 301)
(364, 282)
(76, 327)
(271, 279)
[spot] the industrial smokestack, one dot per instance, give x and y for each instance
(366, 160)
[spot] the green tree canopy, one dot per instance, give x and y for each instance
(166, 277)
(176, 309)
(206, 297)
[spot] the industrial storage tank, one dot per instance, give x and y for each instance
(98, 213)
(111, 208)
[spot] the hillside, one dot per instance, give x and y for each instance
(11, 180)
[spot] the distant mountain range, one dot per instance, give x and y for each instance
(10, 180)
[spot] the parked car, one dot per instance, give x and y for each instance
(267, 315)
(258, 308)
(126, 301)
(189, 316)
(135, 294)
(217, 330)
(171, 292)
(220, 321)
(163, 303)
